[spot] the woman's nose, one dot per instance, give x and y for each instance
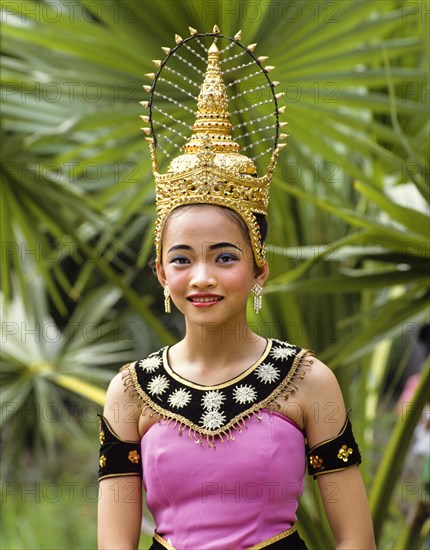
(202, 275)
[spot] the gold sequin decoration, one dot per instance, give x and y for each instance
(102, 437)
(133, 456)
(344, 453)
(102, 461)
(316, 461)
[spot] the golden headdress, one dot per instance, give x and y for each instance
(211, 169)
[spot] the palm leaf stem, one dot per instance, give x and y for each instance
(393, 458)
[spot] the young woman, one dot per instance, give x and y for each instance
(244, 406)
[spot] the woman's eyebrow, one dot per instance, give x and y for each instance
(180, 247)
(216, 246)
(211, 247)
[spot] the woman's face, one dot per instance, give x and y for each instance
(208, 264)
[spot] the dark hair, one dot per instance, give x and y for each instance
(263, 225)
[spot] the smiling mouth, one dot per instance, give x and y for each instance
(205, 299)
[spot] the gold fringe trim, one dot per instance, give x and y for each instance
(306, 362)
(238, 423)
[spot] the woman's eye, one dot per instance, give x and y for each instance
(179, 260)
(227, 258)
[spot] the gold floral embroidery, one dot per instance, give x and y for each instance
(344, 453)
(102, 461)
(133, 456)
(102, 437)
(316, 461)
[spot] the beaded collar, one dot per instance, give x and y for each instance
(211, 412)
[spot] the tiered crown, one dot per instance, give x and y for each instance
(211, 169)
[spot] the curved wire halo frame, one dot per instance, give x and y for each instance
(171, 122)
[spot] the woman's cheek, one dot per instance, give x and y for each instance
(176, 281)
(238, 278)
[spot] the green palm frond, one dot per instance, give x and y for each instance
(48, 374)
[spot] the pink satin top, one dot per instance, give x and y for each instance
(249, 486)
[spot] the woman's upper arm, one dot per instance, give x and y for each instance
(343, 493)
(120, 497)
(322, 404)
(121, 410)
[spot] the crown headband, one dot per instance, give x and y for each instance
(211, 169)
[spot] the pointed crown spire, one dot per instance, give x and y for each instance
(212, 120)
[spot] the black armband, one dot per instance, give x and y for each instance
(337, 453)
(118, 457)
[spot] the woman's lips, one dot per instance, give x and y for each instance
(204, 300)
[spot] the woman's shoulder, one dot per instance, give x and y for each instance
(312, 386)
(294, 361)
(310, 368)
(123, 405)
(321, 401)
(320, 380)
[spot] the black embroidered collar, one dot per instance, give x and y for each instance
(210, 411)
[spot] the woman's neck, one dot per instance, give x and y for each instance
(219, 348)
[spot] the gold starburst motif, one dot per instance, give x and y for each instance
(213, 400)
(158, 385)
(179, 398)
(212, 420)
(102, 461)
(267, 373)
(244, 394)
(282, 353)
(150, 364)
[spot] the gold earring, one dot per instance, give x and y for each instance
(166, 299)
(257, 290)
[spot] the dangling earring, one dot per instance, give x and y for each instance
(257, 290)
(166, 299)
